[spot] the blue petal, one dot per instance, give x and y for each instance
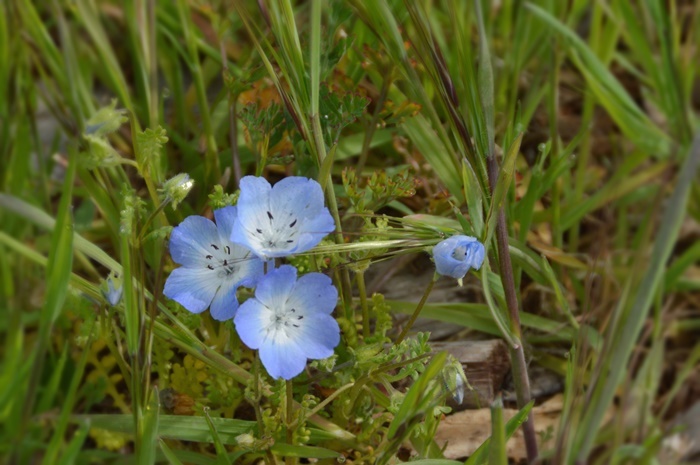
(319, 334)
(274, 288)
(282, 359)
(314, 292)
(475, 254)
(314, 233)
(225, 219)
(301, 200)
(445, 262)
(253, 203)
(249, 269)
(297, 196)
(251, 322)
(225, 303)
(193, 288)
(189, 241)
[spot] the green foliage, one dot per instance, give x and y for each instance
(149, 146)
(381, 189)
(338, 110)
(133, 211)
(219, 199)
(586, 107)
(106, 120)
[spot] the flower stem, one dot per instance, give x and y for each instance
(517, 353)
(318, 145)
(418, 309)
(363, 302)
(257, 395)
(328, 399)
(290, 421)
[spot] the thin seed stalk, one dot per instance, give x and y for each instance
(289, 460)
(362, 289)
(320, 149)
(517, 353)
(417, 311)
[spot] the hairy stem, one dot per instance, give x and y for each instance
(288, 460)
(517, 353)
(363, 303)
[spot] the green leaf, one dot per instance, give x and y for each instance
(610, 93)
(505, 178)
(624, 340)
(481, 455)
(289, 450)
(415, 400)
(189, 428)
(497, 447)
(221, 457)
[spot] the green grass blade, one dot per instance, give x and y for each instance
(497, 446)
(149, 438)
(604, 390)
(60, 264)
(190, 428)
(221, 457)
(75, 446)
(412, 402)
(485, 80)
(168, 453)
(310, 452)
(481, 455)
(67, 405)
(503, 183)
(610, 93)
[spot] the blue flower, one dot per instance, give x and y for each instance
(278, 221)
(456, 255)
(212, 266)
(290, 320)
(114, 291)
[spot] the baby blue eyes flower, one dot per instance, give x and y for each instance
(115, 289)
(456, 255)
(212, 266)
(289, 320)
(278, 221)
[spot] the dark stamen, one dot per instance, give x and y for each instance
(269, 215)
(259, 231)
(228, 250)
(301, 317)
(225, 263)
(215, 247)
(293, 310)
(296, 326)
(209, 257)
(291, 225)
(289, 241)
(210, 267)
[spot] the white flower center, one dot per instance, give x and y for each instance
(222, 262)
(283, 321)
(278, 233)
(460, 253)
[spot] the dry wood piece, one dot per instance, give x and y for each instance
(464, 432)
(485, 364)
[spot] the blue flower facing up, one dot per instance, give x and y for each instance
(289, 320)
(456, 255)
(212, 266)
(278, 221)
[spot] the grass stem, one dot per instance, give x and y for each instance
(417, 311)
(290, 424)
(517, 353)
